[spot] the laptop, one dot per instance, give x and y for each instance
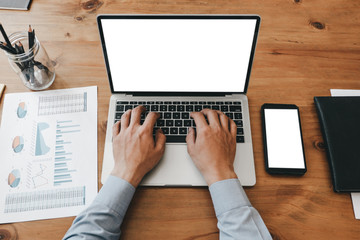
(176, 64)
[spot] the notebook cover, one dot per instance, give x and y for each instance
(340, 125)
(15, 4)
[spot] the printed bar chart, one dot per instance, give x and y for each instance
(63, 157)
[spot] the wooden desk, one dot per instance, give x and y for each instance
(304, 49)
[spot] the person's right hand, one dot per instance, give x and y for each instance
(213, 146)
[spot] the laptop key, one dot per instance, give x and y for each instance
(230, 115)
(174, 130)
(163, 108)
(187, 123)
(185, 115)
(180, 108)
(147, 107)
(176, 138)
(154, 108)
(167, 115)
(127, 107)
(224, 108)
(172, 108)
(183, 131)
(239, 123)
(165, 130)
(240, 131)
(238, 115)
(235, 108)
(176, 115)
(178, 123)
(119, 108)
(189, 108)
(198, 108)
(160, 123)
(118, 115)
(214, 107)
(169, 123)
(240, 139)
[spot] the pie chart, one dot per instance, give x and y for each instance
(14, 178)
(22, 110)
(18, 144)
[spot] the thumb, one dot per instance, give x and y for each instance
(160, 140)
(190, 139)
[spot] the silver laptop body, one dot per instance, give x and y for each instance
(180, 58)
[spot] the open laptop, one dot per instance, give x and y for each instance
(176, 64)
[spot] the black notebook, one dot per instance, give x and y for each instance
(340, 125)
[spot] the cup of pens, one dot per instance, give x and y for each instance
(29, 59)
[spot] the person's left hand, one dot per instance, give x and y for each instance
(135, 151)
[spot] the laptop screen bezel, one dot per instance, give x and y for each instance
(173, 93)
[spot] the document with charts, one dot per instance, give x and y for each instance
(48, 154)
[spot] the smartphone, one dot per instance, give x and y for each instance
(283, 143)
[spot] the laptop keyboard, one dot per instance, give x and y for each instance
(175, 118)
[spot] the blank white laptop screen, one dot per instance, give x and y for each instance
(178, 55)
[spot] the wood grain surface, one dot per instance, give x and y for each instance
(304, 49)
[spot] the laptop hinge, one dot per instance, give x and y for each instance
(177, 94)
(233, 95)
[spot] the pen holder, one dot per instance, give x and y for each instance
(33, 66)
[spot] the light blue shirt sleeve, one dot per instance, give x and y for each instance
(103, 218)
(237, 219)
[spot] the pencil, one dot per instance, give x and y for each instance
(5, 47)
(21, 47)
(5, 36)
(31, 37)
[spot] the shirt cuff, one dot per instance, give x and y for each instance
(116, 194)
(227, 195)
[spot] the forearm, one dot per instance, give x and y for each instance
(103, 218)
(237, 219)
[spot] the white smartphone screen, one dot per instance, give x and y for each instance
(283, 139)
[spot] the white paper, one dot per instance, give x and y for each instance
(354, 196)
(356, 204)
(48, 154)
